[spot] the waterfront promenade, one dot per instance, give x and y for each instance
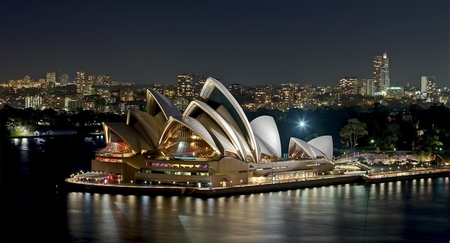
(324, 180)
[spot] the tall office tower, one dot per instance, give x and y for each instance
(349, 85)
(368, 87)
(185, 85)
(427, 84)
(50, 80)
(80, 82)
(381, 73)
(189, 85)
(64, 79)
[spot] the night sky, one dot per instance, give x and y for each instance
(248, 42)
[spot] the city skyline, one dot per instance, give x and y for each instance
(239, 42)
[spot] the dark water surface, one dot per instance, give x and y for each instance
(407, 211)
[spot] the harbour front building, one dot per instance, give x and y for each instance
(210, 144)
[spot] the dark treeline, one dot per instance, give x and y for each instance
(411, 128)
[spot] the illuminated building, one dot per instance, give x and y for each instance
(211, 143)
(428, 84)
(368, 87)
(349, 85)
(64, 79)
(381, 73)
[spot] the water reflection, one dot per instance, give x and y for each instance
(408, 211)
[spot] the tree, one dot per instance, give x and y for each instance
(352, 131)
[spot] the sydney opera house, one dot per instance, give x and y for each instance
(211, 143)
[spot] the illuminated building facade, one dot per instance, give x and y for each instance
(211, 143)
(381, 73)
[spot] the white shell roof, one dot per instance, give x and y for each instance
(324, 144)
(264, 148)
(227, 146)
(152, 128)
(167, 107)
(208, 88)
(266, 129)
(239, 143)
(311, 150)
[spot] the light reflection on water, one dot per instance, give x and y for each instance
(408, 211)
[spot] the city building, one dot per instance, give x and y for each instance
(427, 84)
(368, 87)
(64, 79)
(381, 73)
(349, 85)
(212, 143)
(33, 101)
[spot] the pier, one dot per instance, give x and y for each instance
(206, 192)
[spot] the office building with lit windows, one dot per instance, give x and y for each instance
(210, 143)
(381, 77)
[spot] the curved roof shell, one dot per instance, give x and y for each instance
(147, 126)
(127, 134)
(214, 92)
(265, 128)
(323, 144)
(157, 102)
(238, 142)
(310, 149)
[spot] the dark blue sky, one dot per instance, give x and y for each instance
(248, 42)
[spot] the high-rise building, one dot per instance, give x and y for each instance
(368, 87)
(64, 79)
(381, 73)
(50, 80)
(188, 87)
(80, 82)
(349, 85)
(428, 84)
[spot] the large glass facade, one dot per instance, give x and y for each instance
(116, 147)
(180, 142)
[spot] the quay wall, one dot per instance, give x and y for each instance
(135, 189)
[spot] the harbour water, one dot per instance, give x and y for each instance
(406, 211)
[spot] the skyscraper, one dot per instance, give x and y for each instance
(50, 80)
(349, 85)
(368, 87)
(381, 73)
(80, 82)
(188, 87)
(428, 84)
(64, 79)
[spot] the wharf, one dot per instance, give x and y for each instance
(137, 189)
(406, 175)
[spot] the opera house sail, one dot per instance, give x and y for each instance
(211, 143)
